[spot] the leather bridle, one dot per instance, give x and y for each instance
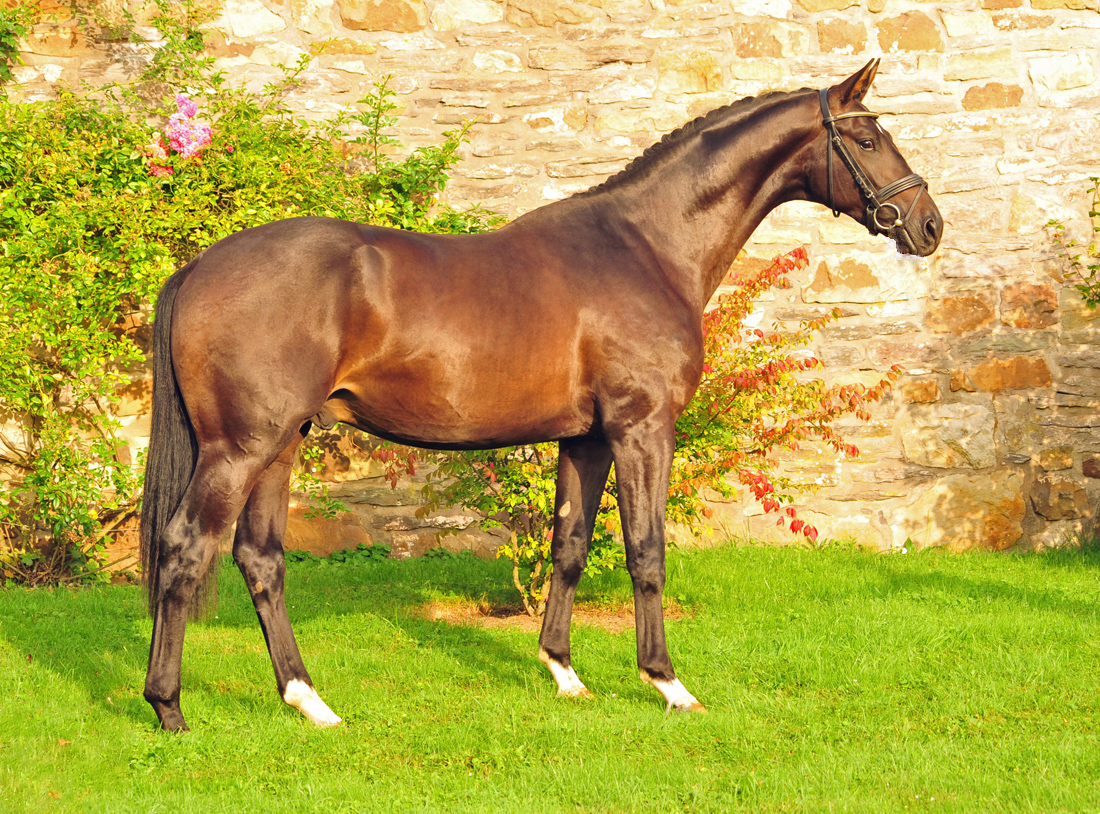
(878, 200)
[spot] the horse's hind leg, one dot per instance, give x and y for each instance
(258, 550)
(582, 472)
(189, 542)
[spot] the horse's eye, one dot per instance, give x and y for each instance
(866, 144)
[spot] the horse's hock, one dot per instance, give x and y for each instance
(990, 438)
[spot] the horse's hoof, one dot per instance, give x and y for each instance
(170, 717)
(305, 699)
(581, 694)
(694, 706)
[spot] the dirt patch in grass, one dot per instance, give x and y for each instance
(612, 618)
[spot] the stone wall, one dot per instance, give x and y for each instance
(990, 438)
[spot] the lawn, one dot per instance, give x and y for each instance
(837, 680)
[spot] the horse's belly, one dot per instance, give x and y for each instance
(472, 411)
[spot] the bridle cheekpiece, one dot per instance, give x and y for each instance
(878, 200)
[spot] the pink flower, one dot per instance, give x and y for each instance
(185, 138)
(186, 107)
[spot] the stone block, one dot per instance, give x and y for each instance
(1030, 213)
(548, 13)
(689, 71)
(1001, 5)
(64, 40)
(497, 62)
(311, 16)
(948, 436)
(959, 382)
(919, 391)
(966, 24)
(1017, 373)
(960, 314)
(1017, 21)
(136, 398)
(907, 351)
(1062, 72)
(624, 89)
(756, 39)
(656, 119)
(585, 167)
(322, 535)
(249, 18)
(451, 14)
(572, 58)
(495, 172)
(841, 36)
(961, 512)
(276, 53)
(1029, 305)
(979, 63)
(1055, 459)
(758, 70)
(1076, 315)
(911, 31)
(401, 16)
(1080, 359)
(347, 46)
(1056, 498)
(1090, 466)
(993, 96)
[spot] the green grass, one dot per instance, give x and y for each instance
(837, 680)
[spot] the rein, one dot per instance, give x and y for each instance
(877, 200)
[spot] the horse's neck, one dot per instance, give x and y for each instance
(700, 210)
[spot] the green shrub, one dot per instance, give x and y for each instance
(1082, 267)
(14, 23)
(97, 208)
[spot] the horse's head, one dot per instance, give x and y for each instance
(855, 168)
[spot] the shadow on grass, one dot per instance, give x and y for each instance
(97, 638)
(91, 637)
(932, 577)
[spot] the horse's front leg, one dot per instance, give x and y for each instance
(643, 465)
(583, 466)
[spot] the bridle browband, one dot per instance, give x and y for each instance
(877, 199)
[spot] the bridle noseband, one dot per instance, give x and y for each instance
(878, 200)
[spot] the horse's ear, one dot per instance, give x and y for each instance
(855, 87)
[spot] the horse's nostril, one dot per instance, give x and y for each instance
(932, 227)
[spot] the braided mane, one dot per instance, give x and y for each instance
(656, 152)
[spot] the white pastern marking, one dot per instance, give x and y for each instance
(565, 677)
(305, 699)
(675, 694)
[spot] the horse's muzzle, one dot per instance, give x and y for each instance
(919, 235)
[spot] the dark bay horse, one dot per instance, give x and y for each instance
(579, 322)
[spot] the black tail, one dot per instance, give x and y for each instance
(172, 446)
